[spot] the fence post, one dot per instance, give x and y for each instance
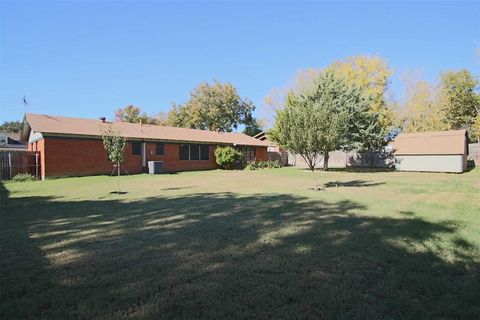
(36, 165)
(370, 160)
(10, 165)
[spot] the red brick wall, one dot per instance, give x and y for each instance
(77, 157)
(261, 154)
(171, 159)
(39, 146)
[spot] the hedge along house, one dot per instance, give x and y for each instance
(74, 147)
(440, 151)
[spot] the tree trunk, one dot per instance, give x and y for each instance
(309, 161)
(325, 161)
(118, 176)
(315, 185)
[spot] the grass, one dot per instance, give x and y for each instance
(242, 244)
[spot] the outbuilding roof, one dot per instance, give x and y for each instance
(431, 143)
(69, 126)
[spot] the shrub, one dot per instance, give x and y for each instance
(273, 164)
(270, 164)
(252, 166)
(227, 156)
(23, 177)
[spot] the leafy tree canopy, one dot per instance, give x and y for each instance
(371, 74)
(329, 116)
(114, 143)
(421, 110)
(452, 104)
(368, 72)
(253, 127)
(216, 106)
(133, 114)
(475, 129)
(459, 98)
(11, 126)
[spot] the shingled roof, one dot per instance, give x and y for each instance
(69, 126)
(431, 143)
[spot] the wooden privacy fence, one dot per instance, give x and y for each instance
(15, 162)
(280, 156)
(474, 153)
(342, 159)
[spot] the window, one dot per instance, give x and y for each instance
(204, 152)
(159, 149)
(248, 154)
(194, 152)
(184, 152)
(136, 148)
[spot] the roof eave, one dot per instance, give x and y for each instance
(25, 132)
(82, 136)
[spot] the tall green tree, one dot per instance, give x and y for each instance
(216, 106)
(114, 143)
(253, 127)
(459, 98)
(133, 114)
(178, 116)
(332, 115)
(11, 126)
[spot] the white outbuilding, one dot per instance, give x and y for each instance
(439, 151)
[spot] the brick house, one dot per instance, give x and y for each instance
(73, 146)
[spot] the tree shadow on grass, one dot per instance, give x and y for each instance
(175, 188)
(352, 183)
(362, 169)
(224, 255)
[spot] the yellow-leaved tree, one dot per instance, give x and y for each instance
(372, 74)
(422, 110)
(476, 128)
(369, 73)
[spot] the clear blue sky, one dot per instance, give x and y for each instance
(87, 59)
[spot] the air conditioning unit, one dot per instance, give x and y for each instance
(155, 167)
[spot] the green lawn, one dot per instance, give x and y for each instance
(243, 244)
